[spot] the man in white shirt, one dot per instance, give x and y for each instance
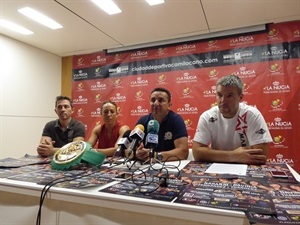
(231, 131)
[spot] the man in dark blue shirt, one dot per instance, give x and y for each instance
(172, 135)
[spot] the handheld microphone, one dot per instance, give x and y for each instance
(152, 137)
(123, 144)
(136, 135)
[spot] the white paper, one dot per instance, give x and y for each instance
(294, 172)
(227, 168)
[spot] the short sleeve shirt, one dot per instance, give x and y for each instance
(247, 128)
(61, 138)
(171, 128)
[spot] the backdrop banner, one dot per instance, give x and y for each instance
(268, 63)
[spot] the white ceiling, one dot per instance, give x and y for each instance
(88, 29)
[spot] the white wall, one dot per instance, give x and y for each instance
(30, 79)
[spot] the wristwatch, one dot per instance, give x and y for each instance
(159, 156)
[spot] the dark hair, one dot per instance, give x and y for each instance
(60, 98)
(231, 80)
(111, 102)
(163, 90)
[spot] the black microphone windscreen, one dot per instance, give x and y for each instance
(126, 134)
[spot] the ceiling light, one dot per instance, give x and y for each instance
(155, 2)
(108, 6)
(14, 27)
(40, 18)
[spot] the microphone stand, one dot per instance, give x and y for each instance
(151, 156)
(117, 156)
(133, 159)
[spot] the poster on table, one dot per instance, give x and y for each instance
(149, 184)
(286, 199)
(267, 62)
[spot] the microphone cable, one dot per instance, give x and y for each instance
(58, 180)
(141, 180)
(150, 180)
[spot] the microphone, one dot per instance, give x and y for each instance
(123, 144)
(152, 137)
(136, 135)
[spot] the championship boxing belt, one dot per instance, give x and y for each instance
(74, 153)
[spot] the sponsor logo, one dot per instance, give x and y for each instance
(186, 91)
(80, 61)
(139, 82)
(237, 56)
(212, 43)
(117, 83)
(118, 70)
(242, 40)
(296, 33)
(98, 60)
(98, 86)
(243, 72)
(298, 69)
(273, 33)
(213, 73)
(162, 78)
(274, 68)
(80, 100)
(80, 87)
(80, 112)
(80, 75)
(186, 48)
(186, 78)
(280, 159)
(279, 124)
(187, 109)
(188, 122)
(98, 73)
(96, 113)
(138, 95)
(118, 98)
(278, 140)
(139, 111)
(276, 104)
(276, 87)
(139, 55)
(210, 93)
(98, 98)
(275, 53)
(161, 51)
(117, 57)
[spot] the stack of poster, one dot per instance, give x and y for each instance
(268, 194)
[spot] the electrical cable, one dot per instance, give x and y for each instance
(161, 181)
(138, 177)
(53, 182)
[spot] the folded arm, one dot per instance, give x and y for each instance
(257, 154)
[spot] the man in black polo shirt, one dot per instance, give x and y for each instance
(62, 131)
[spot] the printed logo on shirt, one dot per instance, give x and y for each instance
(260, 131)
(168, 136)
(242, 139)
(242, 126)
(212, 119)
(242, 123)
